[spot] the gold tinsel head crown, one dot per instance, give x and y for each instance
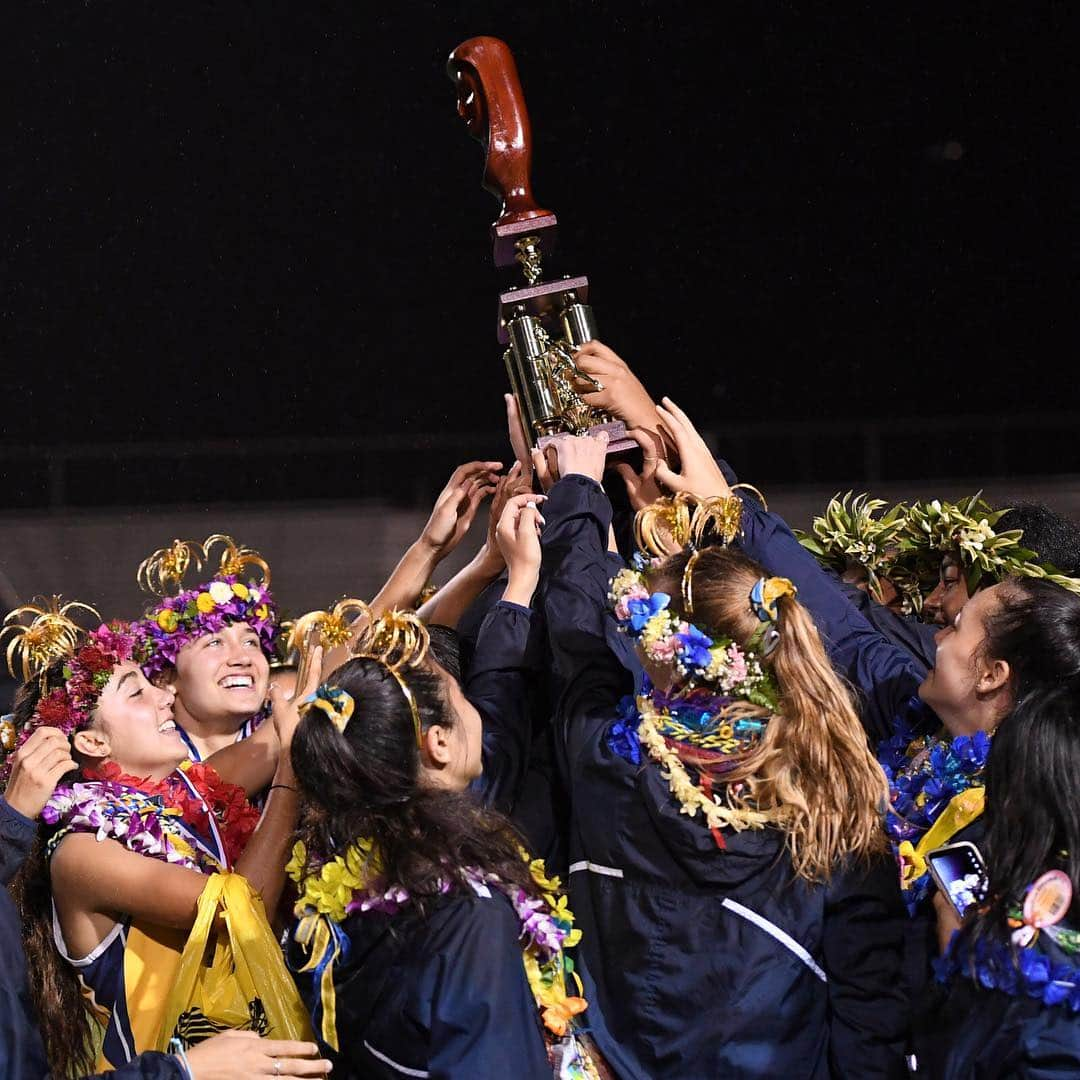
(50, 635)
(162, 573)
(673, 521)
(396, 639)
(235, 559)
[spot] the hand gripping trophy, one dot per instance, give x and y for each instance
(544, 322)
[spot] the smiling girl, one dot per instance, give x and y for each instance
(211, 644)
(129, 840)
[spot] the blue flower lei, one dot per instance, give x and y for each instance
(1032, 973)
(925, 772)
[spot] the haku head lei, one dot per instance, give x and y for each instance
(853, 529)
(698, 658)
(397, 640)
(185, 615)
(51, 635)
(966, 529)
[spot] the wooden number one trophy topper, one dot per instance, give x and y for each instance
(545, 322)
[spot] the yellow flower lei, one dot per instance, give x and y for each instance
(328, 893)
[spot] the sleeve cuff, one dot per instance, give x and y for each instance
(13, 822)
(511, 606)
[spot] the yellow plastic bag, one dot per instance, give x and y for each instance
(231, 973)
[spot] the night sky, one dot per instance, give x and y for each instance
(265, 220)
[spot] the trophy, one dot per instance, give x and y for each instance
(542, 322)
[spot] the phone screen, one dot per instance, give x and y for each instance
(960, 873)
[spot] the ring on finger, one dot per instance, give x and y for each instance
(277, 1066)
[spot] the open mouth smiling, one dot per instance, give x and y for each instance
(237, 682)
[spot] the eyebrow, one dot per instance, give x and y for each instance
(124, 679)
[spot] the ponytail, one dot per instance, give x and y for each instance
(813, 763)
(817, 760)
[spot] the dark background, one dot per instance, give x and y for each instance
(235, 224)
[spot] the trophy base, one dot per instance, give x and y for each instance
(618, 441)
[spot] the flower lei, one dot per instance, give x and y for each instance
(353, 884)
(925, 774)
(1019, 971)
(647, 618)
(935, 527)
(718, 712)
(724, 737)
(853, 529)
(86, 674)
(207, 609)
(161, 819)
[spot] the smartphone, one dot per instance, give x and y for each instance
(960, 873)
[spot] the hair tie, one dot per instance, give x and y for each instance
(336, 703)
(764, 601)
(765, 595)
(687, 584)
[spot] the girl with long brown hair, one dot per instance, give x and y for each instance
(128, 845)
(740, 913)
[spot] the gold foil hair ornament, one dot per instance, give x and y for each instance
(397, 640)
(330, 629)
(721, 514)
(334, 626)
(163, 572)
(234, 558)
(663, 527)
(754, 491)
(50, 634)
(688, 584)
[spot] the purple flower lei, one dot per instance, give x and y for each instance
(539, 928)
(141, 822)
(177, 620)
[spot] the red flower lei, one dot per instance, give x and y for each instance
(234, 816)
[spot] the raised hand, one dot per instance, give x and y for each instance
(642, 487)
(457, 504)
(518, 481)
(518, 537)
(583, 455)
(519, 443)
(36, 768)
(622, 395)
(698, 472)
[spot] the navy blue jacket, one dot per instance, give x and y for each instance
(443, 997)
(506, 662)
(904, 631)
(886, 675)
(969, 1033)
(697, 962)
